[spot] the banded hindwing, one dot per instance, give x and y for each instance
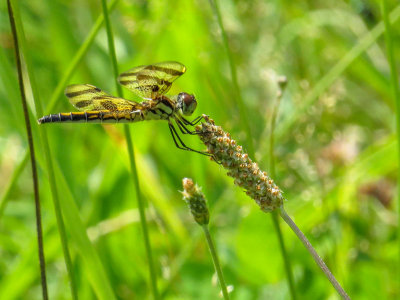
(86, 97)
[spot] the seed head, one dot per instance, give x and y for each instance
(246, 173)
(197, 202)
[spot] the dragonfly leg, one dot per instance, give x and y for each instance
(182, 122)
(183, 146)
(183, 128)
(193, 122)
(191, 132)
(197, 120)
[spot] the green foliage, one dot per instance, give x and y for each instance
(335, 150)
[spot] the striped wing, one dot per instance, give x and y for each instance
(86, 97)
(152, 80)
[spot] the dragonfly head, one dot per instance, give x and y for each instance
(186, 103)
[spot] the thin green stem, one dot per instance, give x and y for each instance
(187, 251)
(313, 253)
(239, 100)
(396, 93)
(48, 158)
(274, 115)
(32, 153)
(216, 261)
(111, 47)
(285, 256)
(275, 219)
(141, 207)
(139, 198)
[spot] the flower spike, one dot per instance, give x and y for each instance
(257, 184)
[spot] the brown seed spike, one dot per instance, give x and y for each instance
(247, 174)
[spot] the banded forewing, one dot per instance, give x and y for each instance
(152, 80)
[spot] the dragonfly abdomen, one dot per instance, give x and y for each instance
(94, 117)
(63, 117)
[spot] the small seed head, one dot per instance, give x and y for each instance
(197, 202)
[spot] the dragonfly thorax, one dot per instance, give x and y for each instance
(186, 103)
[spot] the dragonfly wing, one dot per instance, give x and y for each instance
(86, 97)
(152, 80)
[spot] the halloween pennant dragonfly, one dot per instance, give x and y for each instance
(149, 82)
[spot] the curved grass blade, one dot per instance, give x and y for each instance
(93, 266)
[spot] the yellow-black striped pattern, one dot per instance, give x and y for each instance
(150, 82)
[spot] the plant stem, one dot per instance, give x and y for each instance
(275, 219)
(285, 256)
(396, 93)
(153, 276)
(48, 157)
(140, 202)
(32, 154)
(313, 253)
(216, 261)
(239, 100)
(281, 86)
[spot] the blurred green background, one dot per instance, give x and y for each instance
(334, 143)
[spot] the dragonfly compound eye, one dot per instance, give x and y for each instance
(188, 103)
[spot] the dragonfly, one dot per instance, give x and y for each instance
(151, 83)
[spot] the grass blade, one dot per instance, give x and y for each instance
(94, 268)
